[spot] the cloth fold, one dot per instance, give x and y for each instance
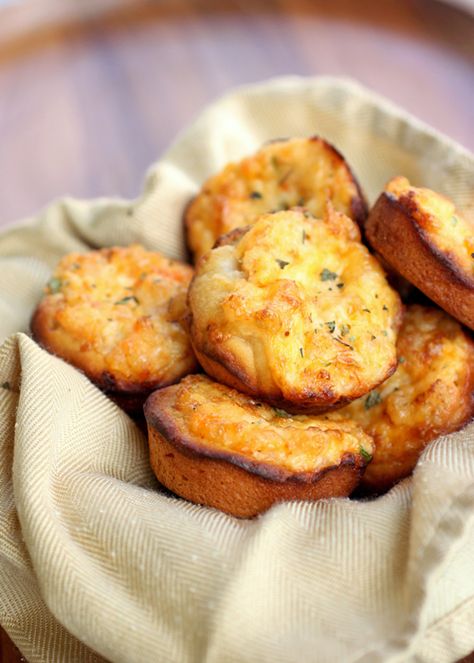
(98, 562)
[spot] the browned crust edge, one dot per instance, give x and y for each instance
(158, 413)
(232, 237)
(221, 485)
(392, 230)
(359, 206)
(224, 370)
(190, 256)
(130, 396)
(226, 480)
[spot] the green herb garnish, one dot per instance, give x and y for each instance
(301, 352)
(331, 325)
(282, 263)
(401, 360)
(372, 399)
(131, 298)
(339, 340)
(6, 385)
(282, 413)
(384, 308)
(366, 310)
(327, 275)
(340, 285)
(54, 285)
(345, 329)
(365, 455)
(256, 195)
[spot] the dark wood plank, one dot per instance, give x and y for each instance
(8, 652)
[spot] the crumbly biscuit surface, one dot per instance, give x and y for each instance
(431, 393)
(116, 314)
(225, 420)
(297, 309)
(283, 174)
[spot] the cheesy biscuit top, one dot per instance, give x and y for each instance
(295, 310)
(442, 226)
(283, 174)
(116, 314)
(431, 393)
(217, 421)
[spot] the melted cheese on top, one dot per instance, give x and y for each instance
(430, 393)
(227, 420)
(299, 303)
(283, 174)
(119, 310)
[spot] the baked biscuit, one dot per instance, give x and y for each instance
(218, 447)
(422, 235)
(295, 311)
(430, 394)
(283, 174)
(116, 315)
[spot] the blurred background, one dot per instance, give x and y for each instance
(93, 91)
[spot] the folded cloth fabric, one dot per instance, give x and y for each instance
(97, 562)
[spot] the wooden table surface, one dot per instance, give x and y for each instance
(92, 92)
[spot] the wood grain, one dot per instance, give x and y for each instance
(87, 104)
(92, 92)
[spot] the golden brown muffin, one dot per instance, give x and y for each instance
(218, 447)
(116, 315)
(422, 235)
(303, 172)
(295, 311)
(430, 394)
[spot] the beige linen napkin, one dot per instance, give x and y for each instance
(95, 557)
